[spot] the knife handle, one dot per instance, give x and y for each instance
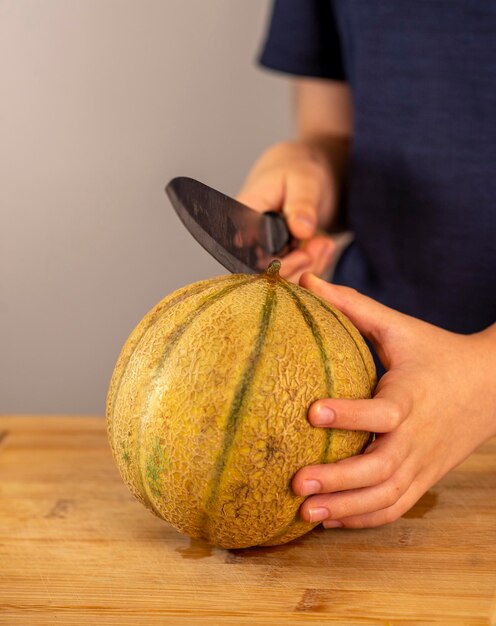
(279, 239)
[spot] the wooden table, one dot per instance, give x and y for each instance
(76, 548)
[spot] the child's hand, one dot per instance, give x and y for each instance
(435, 405)
(298, 180)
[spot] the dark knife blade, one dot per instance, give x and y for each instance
(243, 240)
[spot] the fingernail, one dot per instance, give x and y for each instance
(318, 514)
(332, 523)
(303, 219)
(310, 486)
(323, 416)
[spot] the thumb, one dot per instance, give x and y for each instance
(301, 200)
(377, 322)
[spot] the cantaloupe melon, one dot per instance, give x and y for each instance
(207, 406)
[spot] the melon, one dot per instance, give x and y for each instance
(207, 405)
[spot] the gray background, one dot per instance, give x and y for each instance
(101, 103)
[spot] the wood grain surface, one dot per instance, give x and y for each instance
(76, 548)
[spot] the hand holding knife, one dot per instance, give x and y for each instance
(241, 239)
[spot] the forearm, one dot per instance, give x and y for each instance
(490, 334)
(324, 122)
(483, 366)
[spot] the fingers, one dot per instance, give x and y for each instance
(368, 315)
(296, 192)
(360, 501)
(338, 506)
(386, 328)
(287, 178)
(366, 470)
(367, 490)
(383, 516)
(316, 255)
(302, 198)
(321, 250)
(359, 485)
(263, 193)
(381, 414)
(294, 264)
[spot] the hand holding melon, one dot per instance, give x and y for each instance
(435, 405)
(207, 406)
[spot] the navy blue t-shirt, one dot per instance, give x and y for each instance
(421, 191)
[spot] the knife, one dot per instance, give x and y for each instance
(241, 239)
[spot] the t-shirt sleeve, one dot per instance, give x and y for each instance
(302, 38)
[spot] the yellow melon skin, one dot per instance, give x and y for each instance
(207, 406)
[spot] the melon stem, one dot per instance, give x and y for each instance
(274, 267)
